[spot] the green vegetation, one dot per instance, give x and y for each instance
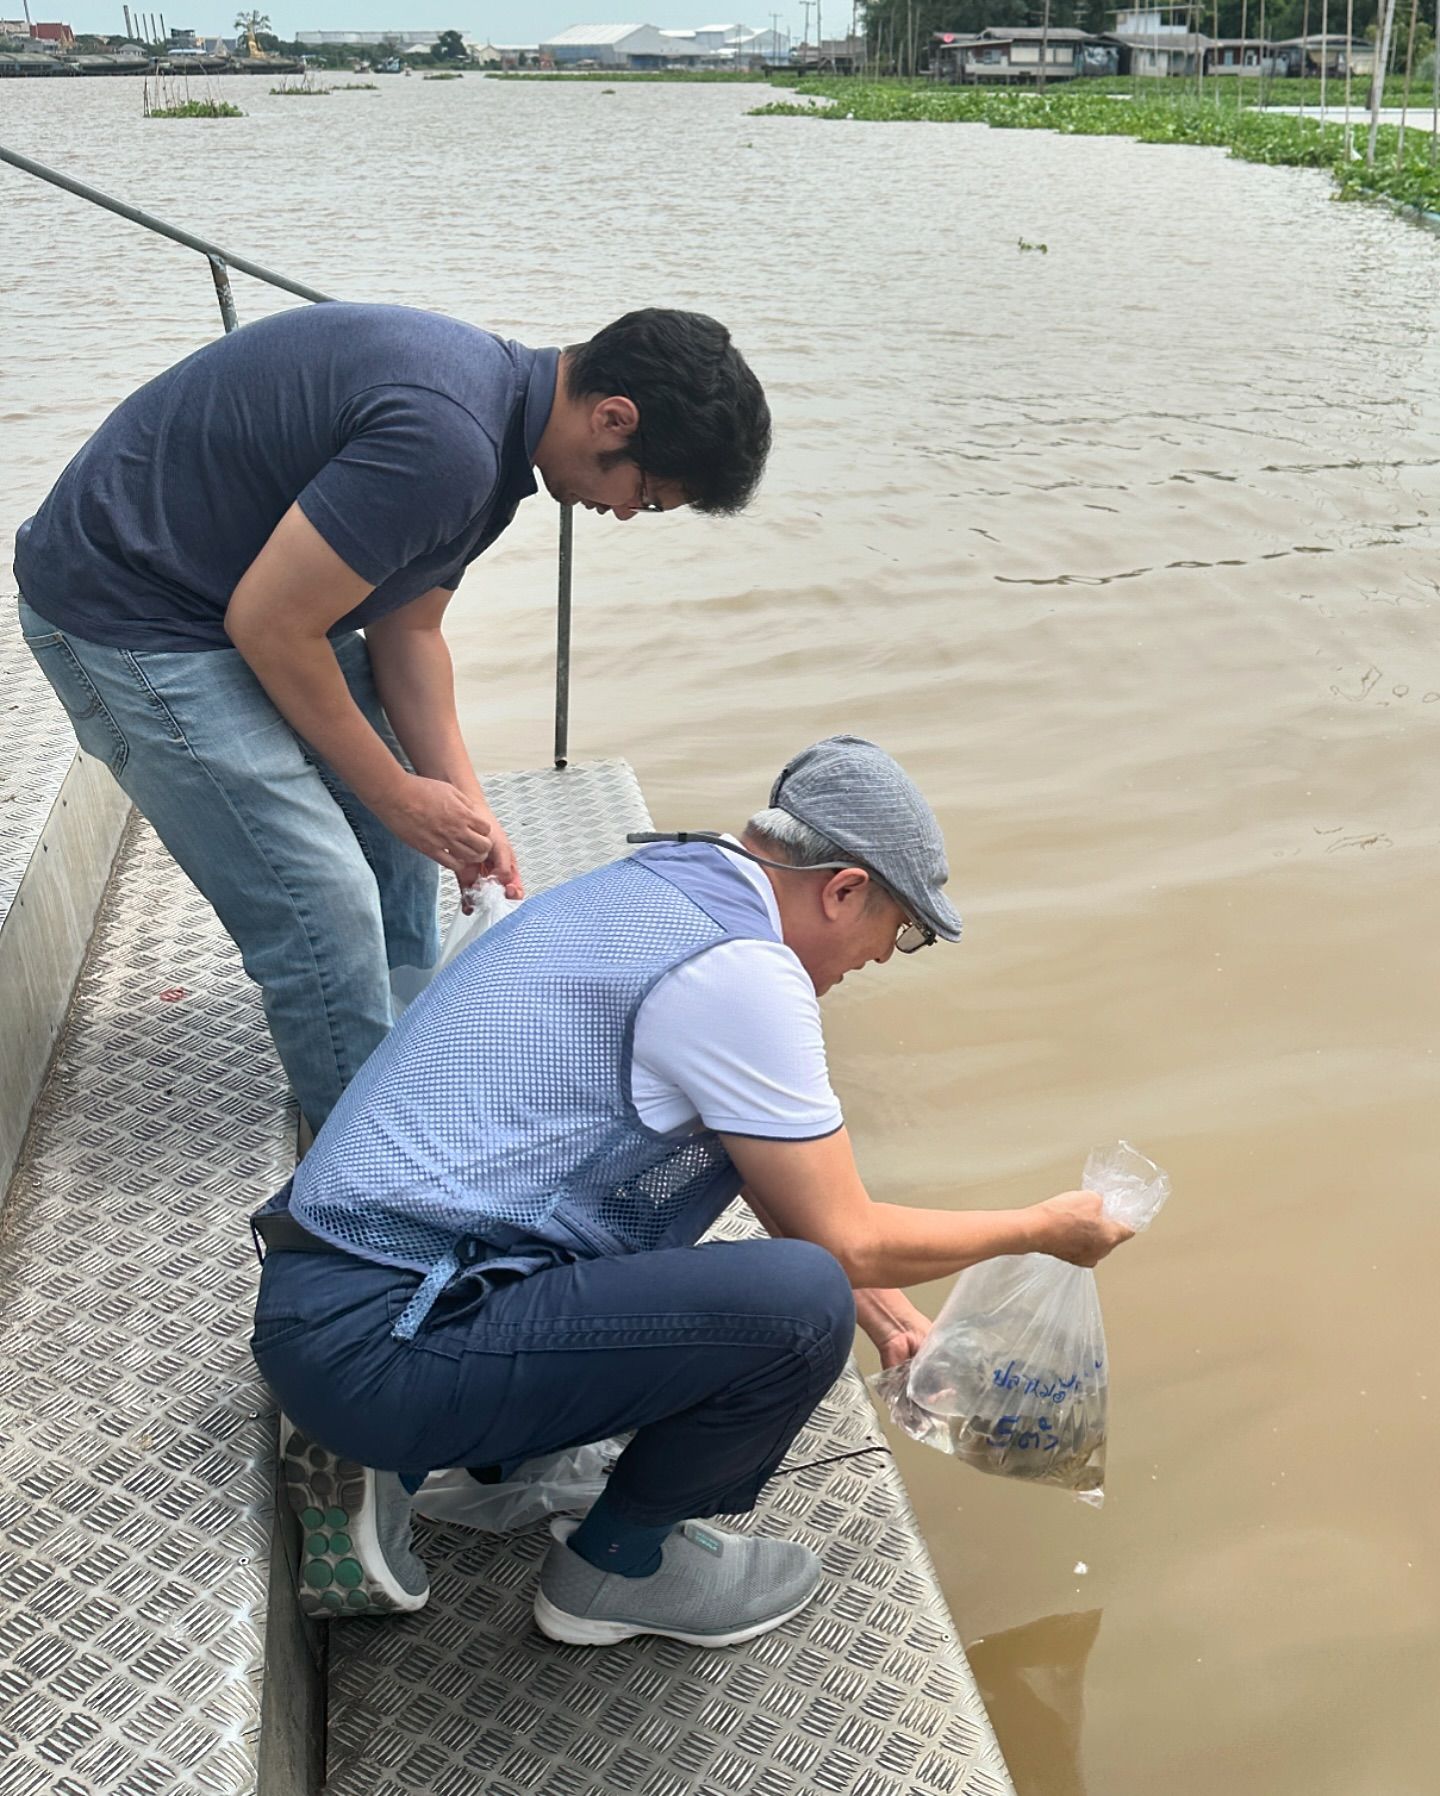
(285, 93)
(1154, 113)
(449, 47)
(447, 75)
(168, 96)
(196, 109)
(356, 87)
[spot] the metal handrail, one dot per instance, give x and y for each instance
(221, 261)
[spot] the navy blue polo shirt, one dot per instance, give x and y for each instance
(407, 440)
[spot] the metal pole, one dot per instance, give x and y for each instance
(1377, 81)
(1435, 90)
(223, 293)
(562, 638)
(1324, 53)
(1349, 75)
(136, 216)
(1405, 95)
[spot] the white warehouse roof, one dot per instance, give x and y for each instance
(594, 34)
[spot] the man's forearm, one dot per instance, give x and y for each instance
(906, 1246)
(415, 678)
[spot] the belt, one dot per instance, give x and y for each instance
(281, 1233)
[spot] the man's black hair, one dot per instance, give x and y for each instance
(704, 422)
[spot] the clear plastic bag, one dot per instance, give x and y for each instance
(490, 906)
(1013, 1377)
(559, 1484)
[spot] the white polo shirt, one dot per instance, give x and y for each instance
(731, 1040)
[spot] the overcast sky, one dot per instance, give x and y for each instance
(501, 21)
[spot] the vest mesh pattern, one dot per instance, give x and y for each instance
(497, 1112)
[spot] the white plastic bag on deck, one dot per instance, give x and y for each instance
(490, 906)
(559, 1484)
(1013, 1376)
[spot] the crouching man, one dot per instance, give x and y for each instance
(490, 1252)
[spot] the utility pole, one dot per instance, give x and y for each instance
(805, 7)
(1044, 76)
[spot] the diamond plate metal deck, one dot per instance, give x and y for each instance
(868, 1693)
(136, 1442)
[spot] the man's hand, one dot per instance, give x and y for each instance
(499, 866)
(440, 821)
(1073, 1227)
(893, 1323)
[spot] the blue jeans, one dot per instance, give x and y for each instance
(717, 1355)
(318, 895)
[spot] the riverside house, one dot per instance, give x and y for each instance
(1009, 54)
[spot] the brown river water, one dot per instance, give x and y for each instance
(1131, 551)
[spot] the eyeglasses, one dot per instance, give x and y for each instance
(910, 936)
(645, 503)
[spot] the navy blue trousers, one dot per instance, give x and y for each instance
(716, 1355)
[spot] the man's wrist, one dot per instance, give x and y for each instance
(1031, 1230)
(881, 1313)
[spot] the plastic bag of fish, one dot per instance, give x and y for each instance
(1013, 1377)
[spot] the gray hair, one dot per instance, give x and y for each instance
(788, 839)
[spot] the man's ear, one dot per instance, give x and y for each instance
(613, 421)
(845, 891)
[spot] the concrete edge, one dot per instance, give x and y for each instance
(45, 934)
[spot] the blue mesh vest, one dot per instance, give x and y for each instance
(494, 1128)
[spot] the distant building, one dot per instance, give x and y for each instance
(837, 55)
(609, 47)
(1010, 53)
(1237, 56)
(1336, 54)
(54, 37)
(521, 56)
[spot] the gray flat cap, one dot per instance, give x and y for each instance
(864, 801)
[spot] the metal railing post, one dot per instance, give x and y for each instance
(562, 638)
(223, 293)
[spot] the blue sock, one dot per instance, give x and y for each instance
(612, 1544)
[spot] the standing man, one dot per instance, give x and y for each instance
(490, 1252)
(196, 584)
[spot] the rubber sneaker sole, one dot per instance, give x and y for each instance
(342, 1568)
(578, 1630)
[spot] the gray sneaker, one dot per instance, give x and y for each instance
(712, 1589)
(355, 1555)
